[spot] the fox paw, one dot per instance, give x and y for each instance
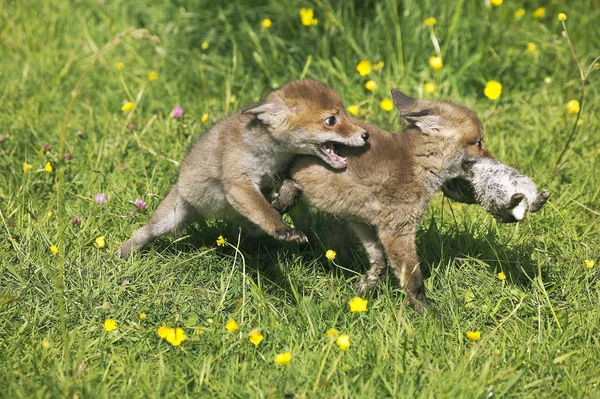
(367, 284)
(291, 235)
(125, 250)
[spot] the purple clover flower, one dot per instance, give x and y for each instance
(177, 112)
(140, 204)
(100, 199)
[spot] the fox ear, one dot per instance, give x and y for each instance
(271, 112)
(402, 101)
(424, 119)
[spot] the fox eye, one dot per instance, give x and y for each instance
(478, 144)
(331, 121)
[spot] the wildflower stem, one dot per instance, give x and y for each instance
(564, 25)
(583, 76)
(434, 40)
(572, 135)
(348, 270)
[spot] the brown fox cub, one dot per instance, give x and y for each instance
(387, 185)
(234, 163)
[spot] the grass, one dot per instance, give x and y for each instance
(540, 327)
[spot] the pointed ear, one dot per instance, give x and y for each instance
(272, 112)
(424, 119)
(402, 101)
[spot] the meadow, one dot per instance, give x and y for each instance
(89, 147)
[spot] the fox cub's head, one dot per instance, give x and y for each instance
(472, 175)
(455, 127)
(309, 117)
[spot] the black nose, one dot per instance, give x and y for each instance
(365, 135)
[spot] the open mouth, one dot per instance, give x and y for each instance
(329, 154)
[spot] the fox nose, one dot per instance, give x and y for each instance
(365, 135)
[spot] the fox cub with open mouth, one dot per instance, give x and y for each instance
(387, 185)
(230, 168)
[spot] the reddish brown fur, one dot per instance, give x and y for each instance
(387, 185)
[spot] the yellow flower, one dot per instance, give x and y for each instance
(120, 66)
(204, 117)
(473, 335)
(343, 342)
(430, 21)
(163, 331)
(266, 23)
(100, 242)
(429, 88)
(379, 66)
(371, 85)
(332, 333)
(256, 337)
(589, 263)
(127, 106)
(519, 13)
(496, 3)
(221, 241)
(579, 122)
(152, 75)
(110, 325)
(539, 13)
(143, 316)
(436, 63)
(54, 249)
(50, 214)
(283, 358)
(353, 110)
(562, 16)
(532, 48)
(573, 107)
(26, 167)
(307, 17)
(492, 90)
(358, 305)
(501, 276)
(330, 254)
(204, 45)
(48, 167)
(231, 326)
(363, 67)
(175, 336)
(386, 104)
(46, 343)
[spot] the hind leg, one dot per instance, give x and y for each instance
(376, 254)
(172, 215)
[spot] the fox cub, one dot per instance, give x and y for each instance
(388, 184)
(230, 168)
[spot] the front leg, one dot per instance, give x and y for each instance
(249, 201)
(402, 253)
